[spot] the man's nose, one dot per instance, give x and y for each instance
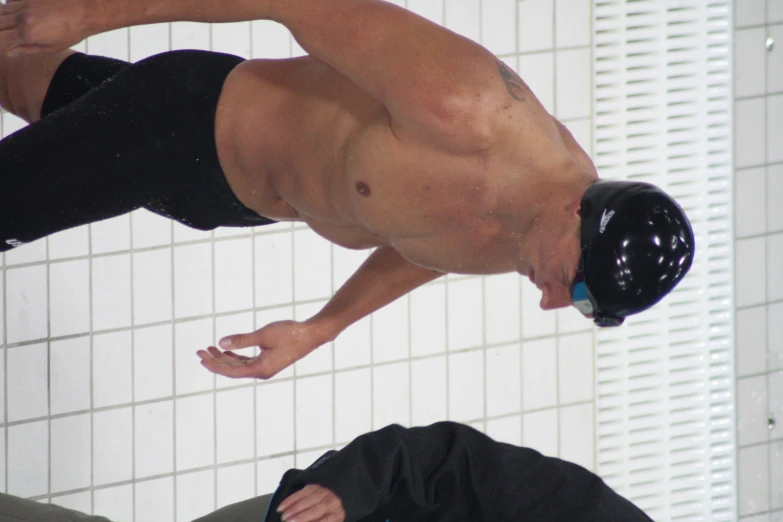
(553, 300)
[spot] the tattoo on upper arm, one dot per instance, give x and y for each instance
(513, 83)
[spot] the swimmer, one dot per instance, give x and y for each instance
(446, 471)
(393, 133)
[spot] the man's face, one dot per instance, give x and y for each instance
(555, 270)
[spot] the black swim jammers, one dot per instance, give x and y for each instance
(115, 137)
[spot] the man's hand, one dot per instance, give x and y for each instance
(43, 26)
(282, 344)
(312, 503)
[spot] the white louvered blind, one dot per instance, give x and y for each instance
(662, 108)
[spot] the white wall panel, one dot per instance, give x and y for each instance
(662, 109)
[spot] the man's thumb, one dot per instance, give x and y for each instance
(236, 342)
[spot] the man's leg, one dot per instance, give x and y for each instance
(24, 81)
(53, 174)
(143, 139)
(14, 509)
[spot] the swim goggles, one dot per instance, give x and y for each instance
(584, 302)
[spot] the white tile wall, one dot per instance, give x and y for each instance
(70, 465)
(539, 374)
(27, 459)
(112, 304)
(758, 218)
(154, 499)
(751, 269)
(749, 72)
(194, 498)
(69, 375)
(353, 402)
(752, 410)
(235, 426)
(112, 369)
(751, 344)
(107, 407)
(776, 475)
(774, 276)
(774, 195)
(753, 470)
(112, 450)
(774, 11)
(275, 418)
(573, 23)
(69, 298)
(573, 68)
(536, 17)
(153, 442)
(750, 202)
(391, 395)
(749, 132)
(775, 336)
(750, 12)
(774, 59)
(774, 128)
(235, 483)
(26, 382)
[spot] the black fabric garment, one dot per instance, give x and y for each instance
(117, 137)
(451, 472)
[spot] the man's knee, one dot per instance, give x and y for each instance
(24, 82)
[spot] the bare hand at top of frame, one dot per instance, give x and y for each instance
(43, 26)
(282, 344)
(312, 503)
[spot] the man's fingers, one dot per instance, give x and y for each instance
(224, 358)
(313, 503)
(234, 366)
(11, 7)
(234, 372)
(295, 497)
(303, 499)
(328, 509)
(7, 22)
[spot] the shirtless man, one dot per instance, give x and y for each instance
(394, 134)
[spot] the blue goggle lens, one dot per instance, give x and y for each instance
(583, 302)
(580, 298)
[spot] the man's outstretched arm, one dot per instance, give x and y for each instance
(438, 86)
(383, 278)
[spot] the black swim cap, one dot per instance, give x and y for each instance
(637, 244)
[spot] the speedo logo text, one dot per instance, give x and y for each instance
(605, 217)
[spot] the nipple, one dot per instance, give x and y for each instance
(363, 189)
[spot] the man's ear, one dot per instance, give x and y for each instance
(574, 207)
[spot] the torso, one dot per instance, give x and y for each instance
(298, 141)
